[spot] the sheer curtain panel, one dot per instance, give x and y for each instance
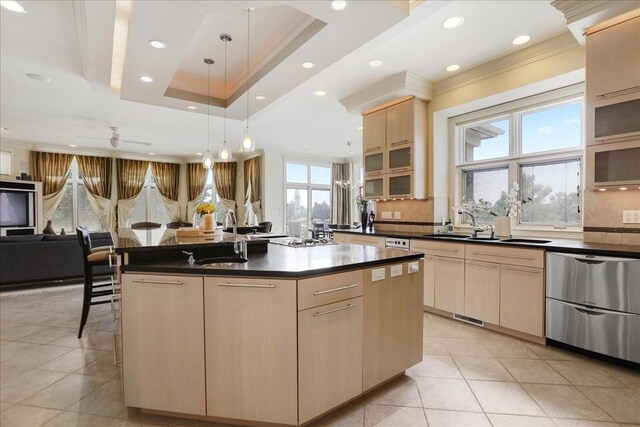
(96, 175)
(252, 187)
(51, 169)
(166, 177)
(225, 176)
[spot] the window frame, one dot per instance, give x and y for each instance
(515, 110)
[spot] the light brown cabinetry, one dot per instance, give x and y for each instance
(330, 356)
(400, 123)
(482, 291)
(163, 343)
(449, 284)
(359, 239)
(250, 339)
(374, 128)
(323, 290)
(392, 321)
(522, 299)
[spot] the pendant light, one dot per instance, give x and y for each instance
(248, 143)
(224, 154)
(207, 158)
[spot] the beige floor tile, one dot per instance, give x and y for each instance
(465, 347)
(434, 346)
(435, 366)
(8, 372)
(567, 422)
(47, 335)
(533, 371)
(504, 398)
(136, 415)
(450, 394)
(96, 340)
(393, 416)
(629, 378)
(623, 405)
(402, 391)
(509, 349)
(26, 416)
(106, 400)
(584, 373)
(66, 392)
(502, 420)
(74, 360)
(351, 415)
(103, 367)
(27, 384)
(548, 352)
(482, 368)
(565, 401)
(75, 419)
(440, 418)
(4, 406)
(37, 356)
(11, 349)
(20, 331)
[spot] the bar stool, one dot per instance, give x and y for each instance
(92, 257)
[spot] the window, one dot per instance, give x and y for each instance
(211, 194)
(5, 163)
(149, 206)
(307, 196)
(536, 142)
(74, 209)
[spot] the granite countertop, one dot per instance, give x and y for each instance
(555, 245)
(288, 262)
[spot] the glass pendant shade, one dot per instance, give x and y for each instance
(224, 154)
(207, 160)
(248, 143)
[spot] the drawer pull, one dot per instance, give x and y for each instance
(404, 141)
(595, 311)
(341, 288)
(481, 264)
(114, 316)
(322, 313)
(454, 261)
(116, 360)
(445, 250)
(159, 282)
(618, 92)
(241, 285)
(503, 256)
(373, 148)
(522, 270)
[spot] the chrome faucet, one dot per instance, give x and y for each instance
(239, 246)
(474, 227)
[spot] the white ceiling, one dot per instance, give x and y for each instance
(77, 101)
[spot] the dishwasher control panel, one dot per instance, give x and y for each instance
(397, 242)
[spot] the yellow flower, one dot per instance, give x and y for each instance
(206, 208)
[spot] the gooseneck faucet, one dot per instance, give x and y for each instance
(239, 246)
(474, 226)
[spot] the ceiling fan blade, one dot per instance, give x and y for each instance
(135, 142)
(93, 137)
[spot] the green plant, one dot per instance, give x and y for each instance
(362, 203)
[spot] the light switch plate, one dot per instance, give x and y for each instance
(377, 274)
(386, 215)
(631, 217)
(397, 215)
(396, 270)
(414, 267)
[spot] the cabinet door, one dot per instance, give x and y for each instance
(400, 157)
(429, 281)
(449, 284)
(400, 184)
(613, 60)
(330, 356)
(482, 291)
(253, 376)
(374, 162)
(400, 123)
(374, 131)
(522, 299)
(374, 187)
(163, 343)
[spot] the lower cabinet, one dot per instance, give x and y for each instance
(329, 356)
(482, 291)
(429, 281)
(359, 239)
(522, 299)
(162, 342)
(251, 337)
(449, 284)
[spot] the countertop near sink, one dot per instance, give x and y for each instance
(555, 245)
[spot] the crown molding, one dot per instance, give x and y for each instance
(521, 58)
(404, 83)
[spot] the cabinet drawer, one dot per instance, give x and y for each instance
(445, 249)
(356, 239)
(513, 256)
(328, 289)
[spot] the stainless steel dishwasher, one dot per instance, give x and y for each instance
(593, 302)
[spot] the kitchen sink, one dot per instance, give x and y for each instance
(221, 261)
(447, 236)
(526, 241)
(482, 238)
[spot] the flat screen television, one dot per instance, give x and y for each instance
(17, 208)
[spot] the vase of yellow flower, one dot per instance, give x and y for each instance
(207, 211)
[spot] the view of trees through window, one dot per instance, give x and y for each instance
(74, 209)
(307, 185)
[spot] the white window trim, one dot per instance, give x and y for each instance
(303, 186)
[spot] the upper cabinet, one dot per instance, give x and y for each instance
(395, 151)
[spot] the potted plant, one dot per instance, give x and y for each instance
(206, 210)
(363, 205)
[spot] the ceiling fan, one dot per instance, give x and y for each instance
(115, 138)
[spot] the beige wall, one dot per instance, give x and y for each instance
(20, 156)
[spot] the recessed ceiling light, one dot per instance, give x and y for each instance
(308, 64)
(72, 145)
(13, 6)
(198, 154)
(6, 129)
(453, 22)
(38, 77)
(157, 44)
(360, 127)
(261, 97)
(453, 67)
(306, 145)
(602, 189)
(151, 154)
(192, 107)
(319, 93)
(338, 5)
(375, 63)
(520, 40)
(146, 79)
(622, 188)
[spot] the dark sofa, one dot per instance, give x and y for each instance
(44, 258)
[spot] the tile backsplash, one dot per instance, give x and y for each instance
(603, 210)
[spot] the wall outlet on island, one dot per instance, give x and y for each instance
(631, 217)
(386, 215)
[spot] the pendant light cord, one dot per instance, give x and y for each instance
(247, 80)
(208, 103)
(225, 91)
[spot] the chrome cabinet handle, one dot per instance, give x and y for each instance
(373, 148)
(322, 313)
(341, 288)
(454, 261)
(521, 269)
(618, 92)
(631, 137)
(443, 250)
(482, 264)
(404, 141)
(159, 282)
(241, 285)
(504, 256)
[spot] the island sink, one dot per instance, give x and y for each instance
(221, 261)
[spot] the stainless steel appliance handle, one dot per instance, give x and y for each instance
(159, 282)
(341, 288)
(581, 257)
(596, 311)
(241, 285)
(322, 313)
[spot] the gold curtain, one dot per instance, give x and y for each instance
(51, 169)
(196, 179)
(224, 175)
(131, 174)
(166, 177)
(252, 175)
(96, 175)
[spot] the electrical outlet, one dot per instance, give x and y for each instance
(631, 217)
(397, 215)
(386, 215)
(396, 270)
(377, 274)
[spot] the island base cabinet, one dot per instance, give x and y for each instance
(522, 299)
(253, 374)
(392, 321)
(330, 356)
(163, 346)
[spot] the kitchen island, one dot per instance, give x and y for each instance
(283, 338)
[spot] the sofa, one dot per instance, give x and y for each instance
(37, 258)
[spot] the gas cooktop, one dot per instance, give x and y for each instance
(295, 242)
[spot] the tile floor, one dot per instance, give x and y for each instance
(469, 377)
